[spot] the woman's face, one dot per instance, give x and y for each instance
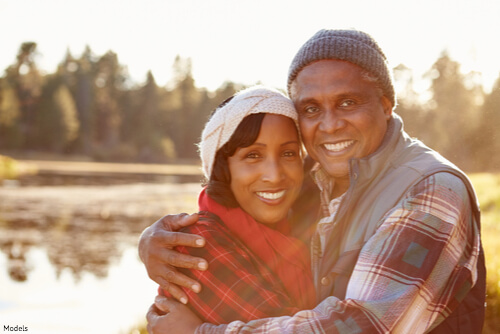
(266, 176)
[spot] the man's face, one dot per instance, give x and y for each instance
(342, 115)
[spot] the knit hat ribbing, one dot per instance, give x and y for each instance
(353, 46)
(221, 126)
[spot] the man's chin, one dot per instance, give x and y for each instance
(335, 170)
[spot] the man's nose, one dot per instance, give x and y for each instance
(332, 121)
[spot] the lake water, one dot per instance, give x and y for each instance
(68, 253)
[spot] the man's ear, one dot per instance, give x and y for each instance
(387, 105)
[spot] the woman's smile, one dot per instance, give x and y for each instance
(271, 195)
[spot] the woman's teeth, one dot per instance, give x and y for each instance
(268, 195)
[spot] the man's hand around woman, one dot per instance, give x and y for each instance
(156, 252)
(169, 316)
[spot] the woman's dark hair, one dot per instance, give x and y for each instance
(219, 184)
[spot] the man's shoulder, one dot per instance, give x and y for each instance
(449, 181)
(442, 189)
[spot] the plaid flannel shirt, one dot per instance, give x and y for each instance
(409, 275)
(237, 285)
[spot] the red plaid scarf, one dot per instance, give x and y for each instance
(286, 256)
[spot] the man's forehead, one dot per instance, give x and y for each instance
(309, 76)
(317, 67)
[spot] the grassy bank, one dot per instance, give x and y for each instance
(9, 168)
(487, 186)
(12, 169)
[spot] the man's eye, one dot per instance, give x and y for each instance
(311, 110)
(347, 103)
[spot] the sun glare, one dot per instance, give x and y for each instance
(255, 47)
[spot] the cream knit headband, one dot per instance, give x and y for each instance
(225, 120)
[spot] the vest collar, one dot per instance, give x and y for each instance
(371, 165)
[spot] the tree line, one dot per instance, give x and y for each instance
(89, 106)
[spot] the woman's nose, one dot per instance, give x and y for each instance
(272, 171)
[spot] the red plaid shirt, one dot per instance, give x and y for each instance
(237, 285)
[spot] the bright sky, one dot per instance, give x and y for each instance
(248, 41)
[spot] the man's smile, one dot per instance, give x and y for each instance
(338, 147)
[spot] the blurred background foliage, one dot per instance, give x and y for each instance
(90, 107)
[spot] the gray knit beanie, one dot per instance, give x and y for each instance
(353, 46)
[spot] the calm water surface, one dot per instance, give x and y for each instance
(68, 253)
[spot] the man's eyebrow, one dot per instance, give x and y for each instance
(307, 99)
(340, 95)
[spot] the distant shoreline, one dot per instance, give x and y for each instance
(87, 167)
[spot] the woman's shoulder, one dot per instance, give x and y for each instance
(220, 242)
(209, 224)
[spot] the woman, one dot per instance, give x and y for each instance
(252, 158)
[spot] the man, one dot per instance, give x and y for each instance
(398, 246)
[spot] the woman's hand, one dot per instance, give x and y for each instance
(170, 316)
(156, 252)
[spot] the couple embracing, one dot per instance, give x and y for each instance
(373, 232)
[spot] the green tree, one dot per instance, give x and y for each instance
(110, 81)
(226, 90)
(10, 113)
(57, 124)
(184, 125)
(488, 138)
(453, 113)
(27, 81)
(148, 121)
(83, 89)
(409, 106)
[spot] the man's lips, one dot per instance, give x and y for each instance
(338, 147)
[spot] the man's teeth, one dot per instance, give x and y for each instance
(339, 146)
(267, 195)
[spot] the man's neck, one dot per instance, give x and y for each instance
(340, 187)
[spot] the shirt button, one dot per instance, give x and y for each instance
(355, 176)
(325, 281)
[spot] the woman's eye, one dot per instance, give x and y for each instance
(290, 154)
(252, 155)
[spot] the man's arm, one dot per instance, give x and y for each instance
(413, 270)
(237, 285)
(163, 314)
(156, 252)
